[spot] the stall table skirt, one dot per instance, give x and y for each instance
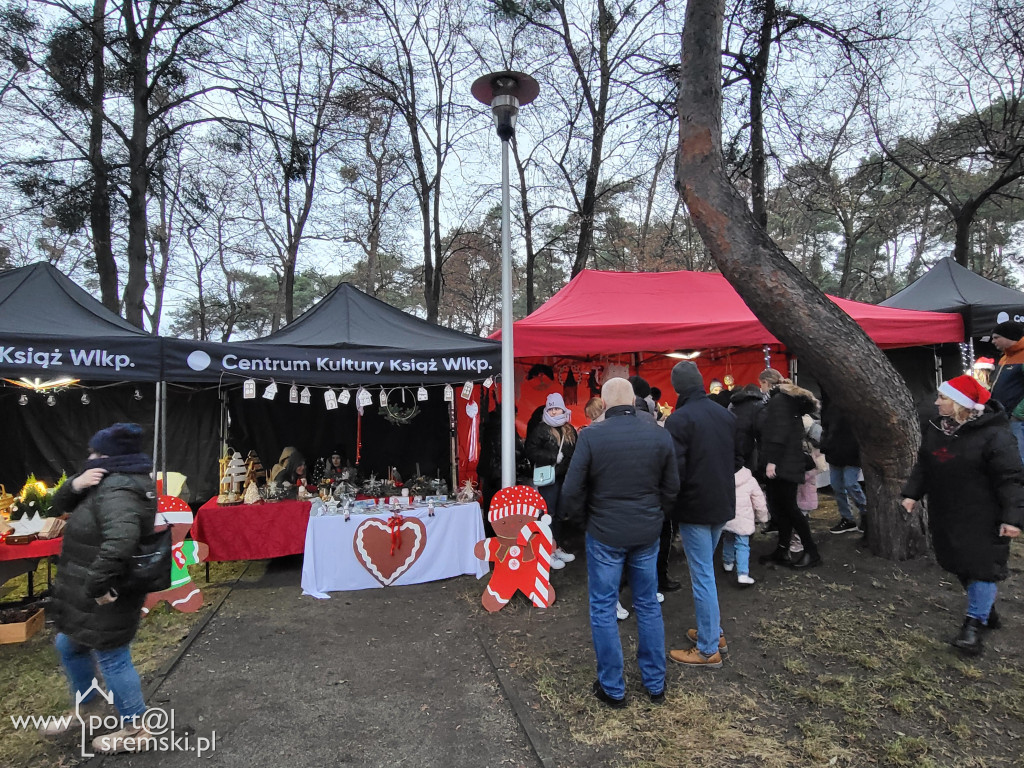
(252, 531)
(16, 559)
(331, 565)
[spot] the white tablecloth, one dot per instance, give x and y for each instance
(329, 563)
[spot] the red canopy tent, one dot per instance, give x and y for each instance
(615, 316)
(600, 313)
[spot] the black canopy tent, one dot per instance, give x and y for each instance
(949, 287)
(57, 343)
(347, 340)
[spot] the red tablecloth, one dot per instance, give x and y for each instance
(38, 548)
(252, 531)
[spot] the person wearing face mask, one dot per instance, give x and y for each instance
(550, 442)
(969, 468)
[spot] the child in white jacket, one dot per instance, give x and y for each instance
(751, 507)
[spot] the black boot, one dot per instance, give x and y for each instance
(807, 560)
(993, 620)
(969, 639)
(779, 556)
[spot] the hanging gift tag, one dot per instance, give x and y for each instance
(421, 394)
(304, 396)
(449, 393)
(363, 397)
(270, 391)
(488, 383)
(331, 400)
(467, 390)
(383, 398)
(293, 394)
(249, 389)
(344, 397)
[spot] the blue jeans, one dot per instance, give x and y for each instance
(1017, 427)
(845, 487)
(699, 542)
(119, 675)
(981, 596)
(604, 572)
(736, 549)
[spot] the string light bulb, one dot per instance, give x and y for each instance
(51, 400)
(86, 399)
(23, 400)
(138, 394)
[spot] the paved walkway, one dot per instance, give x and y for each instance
(381, 677)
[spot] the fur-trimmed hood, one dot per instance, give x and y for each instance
(808, 403)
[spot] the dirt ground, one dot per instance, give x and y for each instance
(846, 664)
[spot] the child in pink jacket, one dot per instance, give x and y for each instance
(751, 507)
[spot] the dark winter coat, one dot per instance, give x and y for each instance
(622, 478)
(703, 435)
(102, 533)
(974, 482)
(542, 447)
(746, 407)
(781, 431)
(837, 440)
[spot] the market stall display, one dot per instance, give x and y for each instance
(367, 551)
(252, 531)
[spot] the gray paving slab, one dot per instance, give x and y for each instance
(385, 677)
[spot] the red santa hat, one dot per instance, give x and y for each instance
(984, 364)
(517, 500)
(965, 391)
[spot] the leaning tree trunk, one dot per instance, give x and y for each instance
(851, 368)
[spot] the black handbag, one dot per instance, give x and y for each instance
(150, 567)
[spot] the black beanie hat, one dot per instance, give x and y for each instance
(117, 440)
(686, 376)
(1009, 330)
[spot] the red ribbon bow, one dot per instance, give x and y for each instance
(395, 525)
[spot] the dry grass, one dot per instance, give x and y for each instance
(836, 670)
(32, 682)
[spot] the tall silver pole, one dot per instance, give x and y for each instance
(508, 379)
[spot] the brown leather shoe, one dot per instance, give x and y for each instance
(723, 647)
(691, 657)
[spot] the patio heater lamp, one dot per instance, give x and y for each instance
(504, 93)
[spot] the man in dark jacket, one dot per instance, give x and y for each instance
(746, 404)
(622, 479)
(703, 434)
(1008, 379)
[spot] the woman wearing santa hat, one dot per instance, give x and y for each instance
(969, 467)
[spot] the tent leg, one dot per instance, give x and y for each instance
(156, 430)
(163, 433)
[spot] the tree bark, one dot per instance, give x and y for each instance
(99, 209)
(823, 337)
(758, 78)
(138, 168)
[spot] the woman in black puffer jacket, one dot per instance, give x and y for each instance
(783, 463)
(112, 504)
(970, 468)
(551, 441)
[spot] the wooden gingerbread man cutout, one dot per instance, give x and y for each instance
(183, 595)
(521, 551)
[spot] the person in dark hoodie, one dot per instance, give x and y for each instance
(746, 404)
(703, 434)
(783, 462)
(1008, 380)
(839, 445)
(969, 468)
(111, 505)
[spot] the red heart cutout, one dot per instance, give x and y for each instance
(372, 545)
